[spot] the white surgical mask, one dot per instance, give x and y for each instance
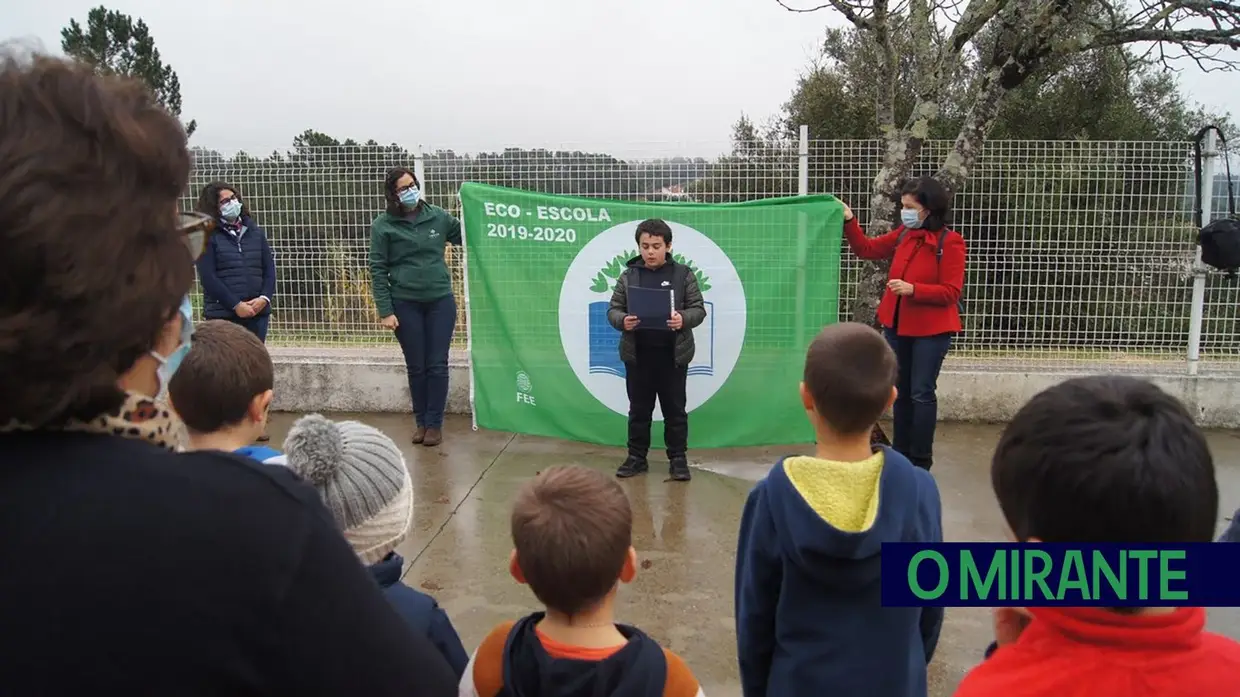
(168, 364)
(910, 217)
(231, 210)
(410, 197)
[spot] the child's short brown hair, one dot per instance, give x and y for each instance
(572, 528)
(849, 372)
(225, 369)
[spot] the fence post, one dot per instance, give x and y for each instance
(803, 164)
(802, 235)
(419, 170)
(1197, 312)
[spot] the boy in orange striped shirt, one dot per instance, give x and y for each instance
(572, 531)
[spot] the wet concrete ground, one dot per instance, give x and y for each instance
(685, 535)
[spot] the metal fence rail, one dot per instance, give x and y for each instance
(1081, 254)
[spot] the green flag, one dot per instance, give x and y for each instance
(544, 360)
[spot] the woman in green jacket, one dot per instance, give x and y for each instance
(413, 293)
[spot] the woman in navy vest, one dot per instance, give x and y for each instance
(238, 269)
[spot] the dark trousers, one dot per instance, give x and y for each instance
(916, 410)
(256, 325)
(425, 336)
(655, 375)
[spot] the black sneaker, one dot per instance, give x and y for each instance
(680, 470)
(632, 467)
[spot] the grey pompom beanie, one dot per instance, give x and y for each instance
(361, 477)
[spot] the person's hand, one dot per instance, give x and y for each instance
(848, 214)
(390, 322)
(899, 287)
(676, 322)
(1009, 623)
(630, 323)
(257, 304)
(243, 310)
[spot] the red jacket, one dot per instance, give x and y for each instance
(932, 308)
(1093, 652)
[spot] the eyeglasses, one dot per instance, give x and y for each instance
(196, 227)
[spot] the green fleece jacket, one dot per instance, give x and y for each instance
(407, 256)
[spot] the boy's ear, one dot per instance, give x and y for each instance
(260, 406)
(628, 572)
(514, 568)
(895, 392)
(807, 399)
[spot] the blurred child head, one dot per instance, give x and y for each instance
(223, 387)
(850, 378)
(1105, 459)
(361, 476)
(572, 530)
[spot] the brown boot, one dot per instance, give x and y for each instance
(419, 435)
(433, 437)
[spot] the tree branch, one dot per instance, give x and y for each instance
(1162, 23)
(852, 13)
(886, 71)
(976, 14)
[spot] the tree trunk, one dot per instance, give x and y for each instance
(902, 149)
(959, 162)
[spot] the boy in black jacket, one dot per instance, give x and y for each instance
(656, 360)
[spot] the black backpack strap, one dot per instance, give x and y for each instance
(938, 251)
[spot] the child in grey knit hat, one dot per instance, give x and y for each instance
(361, 476)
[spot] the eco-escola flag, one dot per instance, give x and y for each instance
(544, 360)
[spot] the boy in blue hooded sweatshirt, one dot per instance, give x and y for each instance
(809, 614)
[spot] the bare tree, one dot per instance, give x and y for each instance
(1010, 40)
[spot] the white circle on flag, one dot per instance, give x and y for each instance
(592, 345)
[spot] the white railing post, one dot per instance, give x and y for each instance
(419, 170)
(802, 235)
(1197, 310)
(803, 163)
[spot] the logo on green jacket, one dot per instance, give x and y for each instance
(592, 345)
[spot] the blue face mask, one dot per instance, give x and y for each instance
(410, 197)
(168, 364)
(910, 217)
(231, 210)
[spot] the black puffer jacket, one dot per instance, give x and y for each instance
(689, 304)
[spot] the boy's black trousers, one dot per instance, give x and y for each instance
(655, 375)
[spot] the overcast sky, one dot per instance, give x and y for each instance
(630, 77)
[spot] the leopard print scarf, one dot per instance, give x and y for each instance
(139, 417)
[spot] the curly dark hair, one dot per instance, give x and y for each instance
(93, 267)
(389, 188)
(209, 199)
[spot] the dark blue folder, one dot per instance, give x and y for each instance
(652, 306)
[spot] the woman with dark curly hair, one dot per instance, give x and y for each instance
(413, 293)
(238, 269)
(128, 567)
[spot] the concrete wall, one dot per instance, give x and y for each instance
(373, 380)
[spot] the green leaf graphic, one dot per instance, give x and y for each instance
(610, 273)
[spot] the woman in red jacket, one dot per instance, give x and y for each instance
(919, 310)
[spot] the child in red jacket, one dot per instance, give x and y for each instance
(1105, 459)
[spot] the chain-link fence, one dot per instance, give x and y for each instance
(1081, 254)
